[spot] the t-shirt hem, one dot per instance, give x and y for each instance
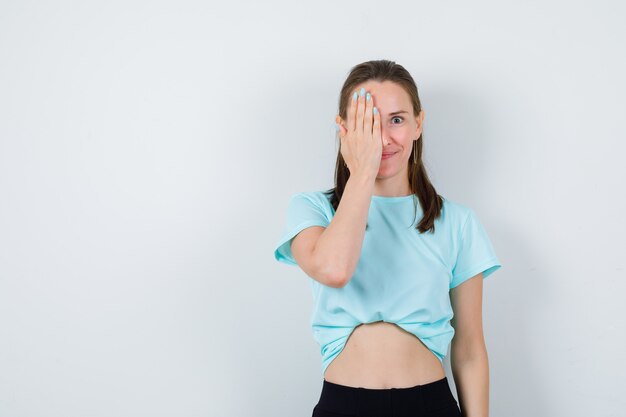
(487, 267)
(282, 253)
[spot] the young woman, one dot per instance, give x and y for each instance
(396, 270)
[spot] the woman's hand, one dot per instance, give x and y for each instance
(361, 140)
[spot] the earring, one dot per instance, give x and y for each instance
(414, 152)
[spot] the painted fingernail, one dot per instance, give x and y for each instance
(362, 91)
(375, 111)
(355, 96)
(368, 96)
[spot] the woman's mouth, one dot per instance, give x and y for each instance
(388, 155)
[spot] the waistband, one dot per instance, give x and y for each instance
(352, 400)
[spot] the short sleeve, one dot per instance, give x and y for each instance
(302, 211)
(475, 252)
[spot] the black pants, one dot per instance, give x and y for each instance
(434, 399)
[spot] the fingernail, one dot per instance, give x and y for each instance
(355, 96)
(368, 96)
(362, 91)
(375, 111)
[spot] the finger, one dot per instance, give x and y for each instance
(360, 112)
(367, 123)
(376, 132)
(352, 112)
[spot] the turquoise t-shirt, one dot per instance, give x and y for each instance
(402, 276)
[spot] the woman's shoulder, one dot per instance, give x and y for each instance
(314, 196)
(319, 199)
(454, 213)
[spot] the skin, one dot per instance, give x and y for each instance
(382, 355)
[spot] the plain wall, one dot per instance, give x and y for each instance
(148, 151)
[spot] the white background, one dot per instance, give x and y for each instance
(148, 150)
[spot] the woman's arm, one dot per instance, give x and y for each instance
(337, 249)
(468, 353)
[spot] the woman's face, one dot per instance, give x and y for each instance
(398, 125)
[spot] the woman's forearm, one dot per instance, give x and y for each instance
(338, 248)
(471, 377)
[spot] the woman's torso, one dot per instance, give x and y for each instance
(402, 277)
(381, 355)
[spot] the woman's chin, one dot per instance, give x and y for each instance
(388, 171)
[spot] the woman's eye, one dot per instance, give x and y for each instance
(396, 118)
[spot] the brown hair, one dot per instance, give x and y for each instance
(384, 70)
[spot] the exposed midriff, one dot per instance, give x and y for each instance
(382, 355)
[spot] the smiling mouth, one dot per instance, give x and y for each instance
(388, 155)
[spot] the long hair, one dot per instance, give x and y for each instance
(421, 187)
